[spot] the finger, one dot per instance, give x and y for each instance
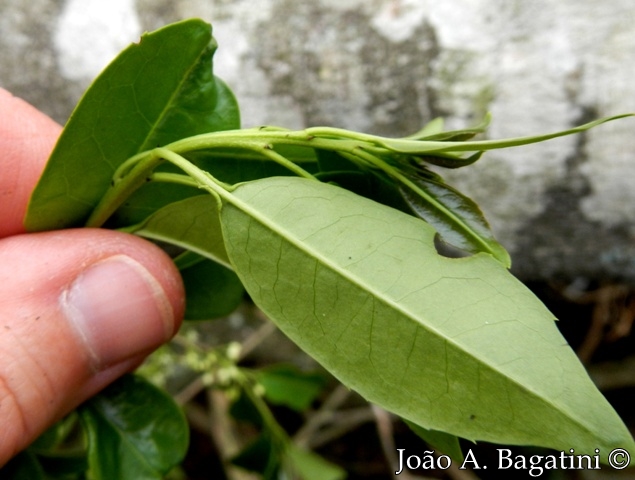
(27, 137)
(73, 319)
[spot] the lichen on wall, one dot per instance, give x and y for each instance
(563, 208)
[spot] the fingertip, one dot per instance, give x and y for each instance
(27, 137)
(78, 308)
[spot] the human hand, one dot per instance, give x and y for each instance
(78, 308)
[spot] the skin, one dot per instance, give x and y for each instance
(52, 358)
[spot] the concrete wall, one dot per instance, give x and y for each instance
(563, 209)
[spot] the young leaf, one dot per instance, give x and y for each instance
(455, 345)
(134, 431)
(415, 147)
(157, 91)
(192, 224)
(455, 135)
(236, 167)
(287, 385)
(212, 290)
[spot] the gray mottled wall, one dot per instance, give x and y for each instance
(564, 208)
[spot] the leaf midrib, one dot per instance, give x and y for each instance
(354, 279)
(171, 101)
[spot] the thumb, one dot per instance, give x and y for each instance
(78, 308)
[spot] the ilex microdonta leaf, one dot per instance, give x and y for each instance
(456, 347)
(126, 111)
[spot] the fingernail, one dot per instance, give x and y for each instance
(118, 310)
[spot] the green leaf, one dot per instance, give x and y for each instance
(64, 466)
(289, 386)
(134, 431)
(309, 466)
(449, 160)
(440, 441)
(455, 345)
(155, 92)
(459, 220)
(212, 290)
(192, 224)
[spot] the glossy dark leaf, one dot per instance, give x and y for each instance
(212, 290)
(449, 160)
(457, 219)
(24, 466)
(329, 161)
(64, 466)
(157, 91)
(148, 199)
(134, 431)
(236, 167)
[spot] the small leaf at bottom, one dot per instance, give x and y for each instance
(135, 431)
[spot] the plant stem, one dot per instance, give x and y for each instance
(173, 178)
(281, 160)
(122, 188)
(201, 178)
(407, 183)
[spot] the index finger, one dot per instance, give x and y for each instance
(27, 137)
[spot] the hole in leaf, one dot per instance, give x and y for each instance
(446, 250)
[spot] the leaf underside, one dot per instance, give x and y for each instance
(455, 345)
